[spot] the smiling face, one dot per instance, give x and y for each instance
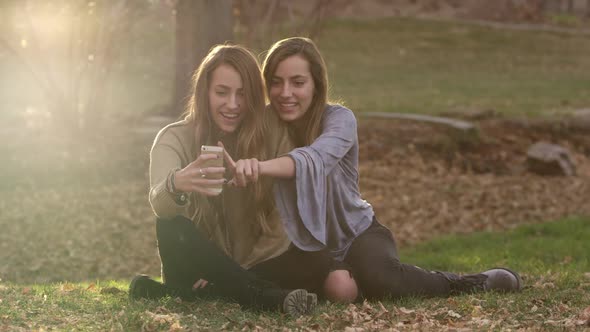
(292, 88)
(226, 98)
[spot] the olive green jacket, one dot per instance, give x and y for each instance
(233, 229)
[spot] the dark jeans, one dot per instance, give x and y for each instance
(379, 273)
(188, 256)
(373, 261)
(300, 269)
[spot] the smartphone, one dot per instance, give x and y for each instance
(218, 162)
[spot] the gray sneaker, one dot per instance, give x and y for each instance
(501, 279)
(498, 279)
(294, 303)
(299, 302)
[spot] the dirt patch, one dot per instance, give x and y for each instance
(423, 182)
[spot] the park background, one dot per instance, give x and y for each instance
(85, 86)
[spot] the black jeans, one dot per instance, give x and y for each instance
(188, 256)
(379, 273)
(300, 269)
(373, 261)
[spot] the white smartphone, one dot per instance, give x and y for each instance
(218, 162)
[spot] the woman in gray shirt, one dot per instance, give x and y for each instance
(318, 197)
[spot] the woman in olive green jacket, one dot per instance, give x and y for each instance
(208, 239)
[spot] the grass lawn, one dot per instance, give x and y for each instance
(407, 65)
(552, 258)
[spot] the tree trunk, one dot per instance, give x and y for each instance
(200, 24)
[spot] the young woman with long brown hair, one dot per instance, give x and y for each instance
(318, 196)
(207, 239)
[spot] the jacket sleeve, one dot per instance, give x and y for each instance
(165, 156)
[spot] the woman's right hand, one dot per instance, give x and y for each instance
(193, 178)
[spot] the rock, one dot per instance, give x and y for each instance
(462, 133)
(581, 120)
(473, 114)
(549, 159)
(453, 123)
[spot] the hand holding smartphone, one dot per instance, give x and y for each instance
(217, 162)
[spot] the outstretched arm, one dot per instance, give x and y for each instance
(282, 167)
(337, 137)
(248, 170)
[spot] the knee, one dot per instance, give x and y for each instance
(340, 287)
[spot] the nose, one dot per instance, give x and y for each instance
(233, 102)
(285, 90)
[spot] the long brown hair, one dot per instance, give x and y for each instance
(306, 48)
(250, 134)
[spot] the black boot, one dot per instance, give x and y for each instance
(143, 287)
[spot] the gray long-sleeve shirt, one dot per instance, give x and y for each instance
(322, 206)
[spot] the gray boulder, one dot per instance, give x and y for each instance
(550, 159)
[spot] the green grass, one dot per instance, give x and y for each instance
(406, 65)
(552, 257)
(559, 246)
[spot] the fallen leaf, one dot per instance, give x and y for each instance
(66, 287)
(584, 317)
(111, 290)
(566, 260)
(406, 311)
(175, 327)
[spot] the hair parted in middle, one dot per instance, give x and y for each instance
(306, 48)
(250, 136)
(251, 132)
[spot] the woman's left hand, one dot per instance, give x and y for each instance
(246, 171)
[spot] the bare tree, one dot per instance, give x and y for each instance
(264, 21)
(200, 24)
(570, 6)
(73, 85)
(315, 18)
(256, 20)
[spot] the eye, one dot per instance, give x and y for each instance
(299, 83)
(220, 93)
(275, 82)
